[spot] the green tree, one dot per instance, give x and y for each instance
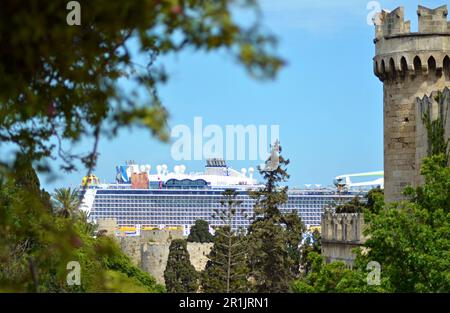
(375, 200)
(410, 239)
(273, 255)
(36, 246)
(60, 82)
(66, 202)
(312, 243)
(226, 269)
(335, 277)
(354, 206)
(200, 232)
(180, 275)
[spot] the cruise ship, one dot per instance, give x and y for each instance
(141, 200)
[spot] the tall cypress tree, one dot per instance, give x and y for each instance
(180, 275)
(273, 254)
(226, 270)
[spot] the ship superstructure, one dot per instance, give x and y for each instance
(140, 199)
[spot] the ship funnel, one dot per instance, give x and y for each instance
(244, 171)
(251, 171)
(129, 171)
(159, 169)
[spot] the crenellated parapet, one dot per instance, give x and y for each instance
(343, 227)
(341, 233)
(402, 54)
(392, 23)
(433, 20)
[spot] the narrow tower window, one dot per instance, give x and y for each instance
(447, 67)
(418, 66)
(392, 69)
(432, 66)
(404, 68)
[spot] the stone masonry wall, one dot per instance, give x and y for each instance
(404, 133)
(155, 255)
(150, 250)
(436, 111)
(132, 245)
(410, 65)
(341, 232)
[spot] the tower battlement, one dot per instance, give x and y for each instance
(392, 23)
(431, 21)
(341, 233)
(402, 54)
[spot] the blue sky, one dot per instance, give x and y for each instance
(326, 101)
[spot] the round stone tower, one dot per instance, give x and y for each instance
(411, 65)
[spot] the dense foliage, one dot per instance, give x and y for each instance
(36, 244)
(411, 239)
(354, 206)
(180, 275)
(66, 202)
(312, 243)
(200, 232)
(335, 277)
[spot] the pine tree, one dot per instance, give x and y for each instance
(200, 232)
(226, 270)
(180, 275)
(273, 254)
